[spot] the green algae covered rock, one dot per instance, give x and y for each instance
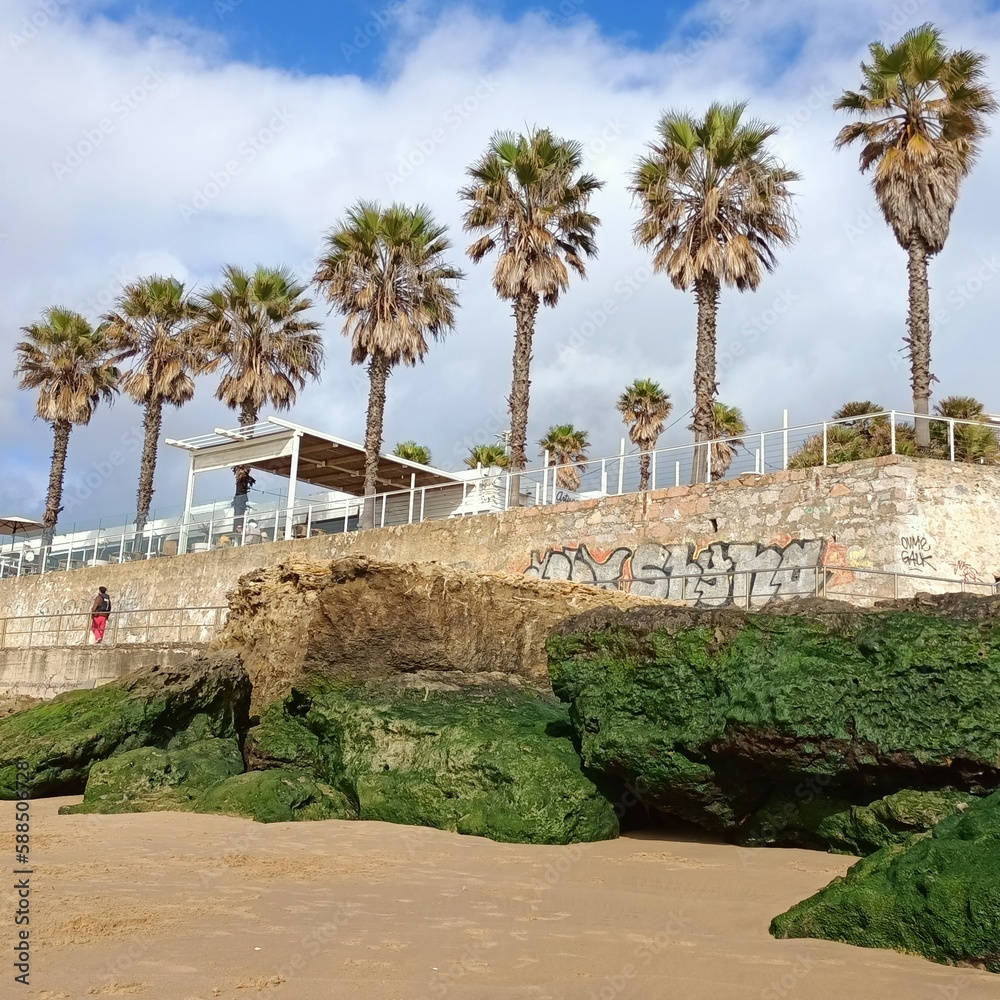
(936, 895)
(497, 764)
(277, 796)
(63, 738)
(710, 715)
(150, 779)
(818, 821)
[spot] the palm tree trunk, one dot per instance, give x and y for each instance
(152, 421)
(525, 311)
(378, 374)
(248, 417)
(644, 472)
(705, 386)
(57, 471)
(918, 322)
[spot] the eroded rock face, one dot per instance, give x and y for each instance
(712, 715)
(936, 895)
(428, 625)
(492, 763)
(62, 739)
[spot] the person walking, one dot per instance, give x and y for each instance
(99, 614)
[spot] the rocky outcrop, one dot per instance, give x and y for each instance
(424, 624)
(207, 696)
(711, 716)
(277, 796)
(493, 763)
(937, 895)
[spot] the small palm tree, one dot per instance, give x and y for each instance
(728, 428)
(715, 207)
(71, 365)
(413, 452)
(384, 270)
(645, 407)
(255, 326)
(974, 441)
(567, 449)
(489, 456)
(528, 200)
(152, 325)
(920, 114)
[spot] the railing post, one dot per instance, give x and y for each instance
(756, 460)
(951, 439)
(121, 549)
(413, 493)
(763, 452)
(621, 467)
(652, 470)
(708, 461)
(423, 502)
(824, 443)
(385, 498)
(892, 432)
(604, 477)
(677, 473)
(784, 439)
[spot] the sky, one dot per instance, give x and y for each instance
(176, 136)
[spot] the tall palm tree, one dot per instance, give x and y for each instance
(413, 452)
(151, 324)
(71, 365)
(528, 200)
(715, 207)
(920, 114)
(567, 448)
(384, 270)
(644, 406)
(254, 326)
(488, 456)
(728, 428)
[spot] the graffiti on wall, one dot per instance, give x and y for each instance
(915, 552)
(708, 574)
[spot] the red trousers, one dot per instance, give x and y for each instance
(97, 626)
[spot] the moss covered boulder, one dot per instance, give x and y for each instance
(277, 796)
(62, 739)
(495, 763)
(937, 895)
(818, 821)
(150, 779)
(711, 715)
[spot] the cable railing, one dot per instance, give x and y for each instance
(143, 626)
(489, 490)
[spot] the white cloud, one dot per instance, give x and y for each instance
(203, 161)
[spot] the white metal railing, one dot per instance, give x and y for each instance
(823, 443)
(184, 626)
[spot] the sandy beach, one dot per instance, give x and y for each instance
(185, 907)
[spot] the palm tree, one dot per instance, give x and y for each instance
(413, 452)
(921, 118)
(71, 365)
(488, 456)
(152, 324)
(528, 200)
(384, 271)
(254, 326)
(728, 428)
(854, 435)
(567, 449)
(974, 441)
(645, 407)
(715, 207)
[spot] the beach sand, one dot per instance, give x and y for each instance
(179, 907)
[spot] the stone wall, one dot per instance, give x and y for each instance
(781, 532)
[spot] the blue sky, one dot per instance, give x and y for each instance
(337, 36)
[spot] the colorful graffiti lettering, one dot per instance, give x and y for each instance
(712, 576)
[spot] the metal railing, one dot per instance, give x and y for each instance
(751, 588)
(184, 626)
(824, 443)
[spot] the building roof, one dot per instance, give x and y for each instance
(324, 460)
